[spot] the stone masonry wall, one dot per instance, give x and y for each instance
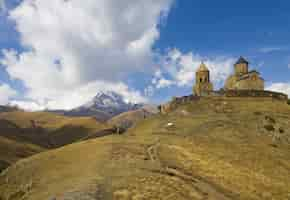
(254, 94)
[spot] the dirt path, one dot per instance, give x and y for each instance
(205, 189)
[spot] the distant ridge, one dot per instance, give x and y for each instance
(8, 108)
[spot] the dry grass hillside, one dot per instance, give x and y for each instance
(128, 119)
(48, 120)
(222, 149)
(11, 151)
(23, 134)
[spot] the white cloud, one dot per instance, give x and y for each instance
(76, 97)
(158, 73)
(164, 83)
(2, 5)
(280, 87)
(180, 69)
(6, 93)
(271, 49)
(74, 44)
(27, 105)
(149, 91)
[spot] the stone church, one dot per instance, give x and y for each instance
(242, 79)
(242, 83)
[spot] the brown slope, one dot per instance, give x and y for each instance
(12, 151)
(211, 150)
(128, 119)
(23, 134)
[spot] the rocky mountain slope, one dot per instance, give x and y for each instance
(209, 149)
(104, 106)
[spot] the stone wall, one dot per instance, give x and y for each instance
(251, 82)
(241, 68)
(251, 93)
(254, 94)
(203, 89)
(176, 101)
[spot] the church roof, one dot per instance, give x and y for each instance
(248, 75)
(242, 60)
(202, 68)
(254, 71)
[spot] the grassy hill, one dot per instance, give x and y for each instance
(128, 119)
(209, 149)
(23, 134)
(48, 120)
(11, 151)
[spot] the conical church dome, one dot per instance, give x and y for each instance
(242, 60)
(202, 68)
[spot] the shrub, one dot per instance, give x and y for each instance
(270, 119)
(257, 113)
(269, 127)
(288, 102)
(159, 108)
(3, 165)
(281, 130)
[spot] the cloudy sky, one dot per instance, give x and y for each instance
(58, 54)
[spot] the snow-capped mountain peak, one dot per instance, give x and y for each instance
(107, 103)
(107, 100)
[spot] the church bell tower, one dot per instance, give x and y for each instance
(241, 66)
(203, 86)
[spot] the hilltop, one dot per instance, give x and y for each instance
(227, 148)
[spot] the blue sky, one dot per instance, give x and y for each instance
(256, 30)
(58, 54)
